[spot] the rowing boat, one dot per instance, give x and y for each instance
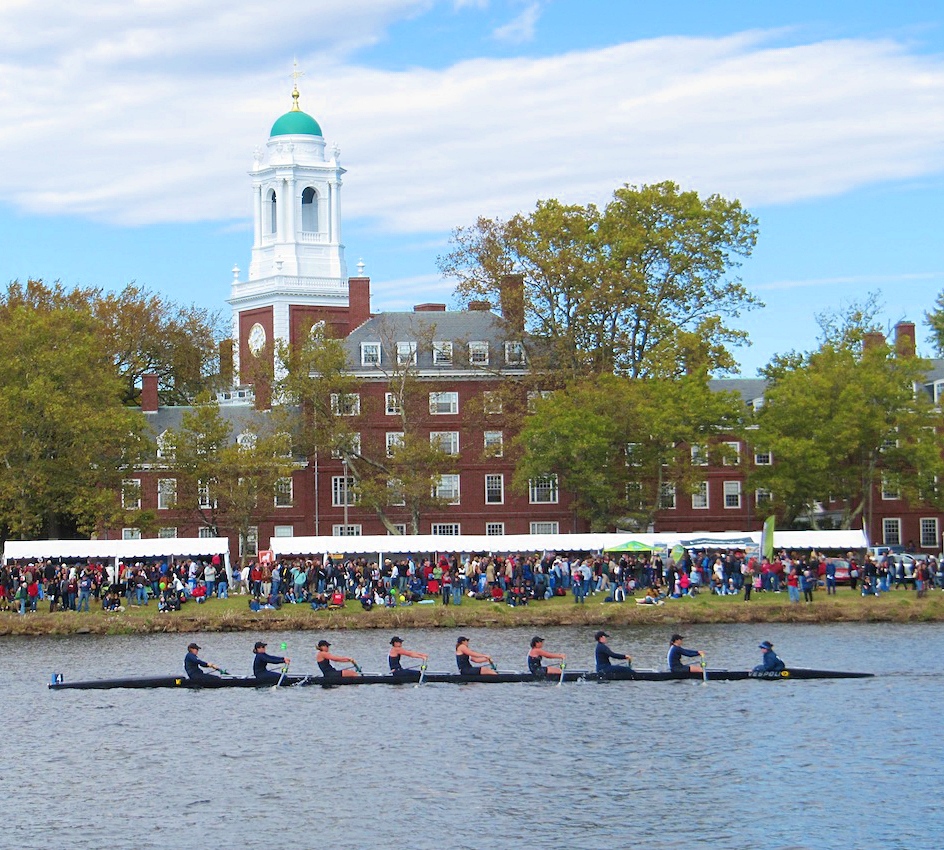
(621, 674)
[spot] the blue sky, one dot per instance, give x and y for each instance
(126, 133)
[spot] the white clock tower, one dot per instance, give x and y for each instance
(297, 275)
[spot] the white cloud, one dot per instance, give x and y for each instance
(406, 292)
(150, 113)
(520, 29)
(842, 280)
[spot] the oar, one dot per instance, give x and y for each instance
(561, 682)
(422, 675)
(283, 647)
(704, 668)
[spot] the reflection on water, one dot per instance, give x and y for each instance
(817, 764)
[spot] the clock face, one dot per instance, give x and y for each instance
(257, 338)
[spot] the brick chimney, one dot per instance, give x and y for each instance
(358, 295)
(226, 363)
(511, 295)
(905, 339)
(149, 393)
(873, 339)
(480, 306)
(429, 308)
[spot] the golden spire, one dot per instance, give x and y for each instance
(295, 75)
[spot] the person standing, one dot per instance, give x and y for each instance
(747, 573)
(677, 652)
(193, 664)
(602, 653)
(793, 585)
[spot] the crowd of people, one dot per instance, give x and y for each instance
(515, 580)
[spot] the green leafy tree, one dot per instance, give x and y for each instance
(630, 289)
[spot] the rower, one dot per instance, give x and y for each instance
(260, 661)
(465, 656)
(536, 666)
(396, 653)
(324, 658)
(603, 654)
(677, 652)
(193, 664)
(771, 663)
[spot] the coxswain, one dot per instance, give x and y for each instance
(193, 664)
(324, 658)
(536, 665)
(396, 653)
(771, 663)
(465, 657)
(677, 652)
(603, 654)
(260, 661)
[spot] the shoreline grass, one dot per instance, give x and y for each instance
(233, 615)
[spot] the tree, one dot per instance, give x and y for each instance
(618, 290)
(65, 436)
(935, 321)
(621, 445)
(844, 420)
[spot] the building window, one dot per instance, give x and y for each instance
(732, 494)
(451, 529)
(406, 354)
(345, 404)
(491, 402)
(272, 219)
(395, 495)
(166, 450)
(393, 407)
(445, 441)
(700, 496)
(667, 497)
(246, 440)
(284, 496)
(370, 354)
(249, 546)
(889, 492)
(633, 454)
(478, 353)
(167, 533)
(732, 454)
(441, 404)
(166, 493)
(394, 442)
(545, 528)
(342, 491)
(447, 489)
(494, 444)
(399, 529)
(349, 447)
(131, 494)
(205, 532)
(309, 210)
(891, 532)
(699, 456)
(634, 495)
(283, 531)
(763, 496)
(763, 458)
(929, 534)
(203, 496)
(346, 530)
(543, 491)
(131, 534)
(442, 353)
(514, 354)
(494, 529)
(494, 489)
(534, 396)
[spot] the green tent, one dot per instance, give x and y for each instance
(629, 546)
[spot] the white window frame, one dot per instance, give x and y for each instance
(478, 353)
(346, 404)
(406, 353)
(534, 396)
(494, 529)
(371, 354)
(249, 548)
(444, 489)
(399, 530)
(632, 454)
(494, 443)
(283, 531)
(349, 530)
(445, 403)
(891, 531)
(929, 541)
(446, 441)
(700, 497)
(514, 353)
(246, 440)
(204, 532)
(447, 529)
(131, 534)
(763, 458)
(353, 448)
(667, 497)
(131, 494)
(342, 487)
(203, 495)
(392, 404)
(284, 495)
(394, 439)
(166, 450)
(396, 498)
(735, 447)
(731, 495)
(495, 478)
(167, 532)
(699, 455)
(545, 527)
(761, 495)
(491, 403)
(889, 495)
(544, 490)
(442, 353)
(166, 494)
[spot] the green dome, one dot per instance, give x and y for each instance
(295, 123)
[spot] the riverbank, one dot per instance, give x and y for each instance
(233, 615)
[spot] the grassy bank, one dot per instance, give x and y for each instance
(232, 615)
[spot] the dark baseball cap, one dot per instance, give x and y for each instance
(193, 646)
(260, 644)
(395, 639)
(765, 645)
(536, 640)
(322, 643)
(676, 637)
(600, 634)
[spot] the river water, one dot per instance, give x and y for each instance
(795, 764)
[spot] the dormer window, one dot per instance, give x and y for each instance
(406, 354)
(246, 440)
(478, 353)
(514, 354)
(370, 354)
(442, 353)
